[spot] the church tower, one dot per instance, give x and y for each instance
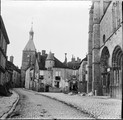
(28, 55)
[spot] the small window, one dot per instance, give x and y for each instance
(57, 78)
(41, 77)
(103, 38)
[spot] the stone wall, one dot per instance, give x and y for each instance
(105, 30)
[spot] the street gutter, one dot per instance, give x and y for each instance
(5, 115)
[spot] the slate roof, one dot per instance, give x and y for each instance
(58, 63)
(73, 65)
(30, 46)
(10, 66)
(85, 59)
(50, 56)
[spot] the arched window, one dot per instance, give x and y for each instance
(116, 62)
(104, 65)
(117, 67)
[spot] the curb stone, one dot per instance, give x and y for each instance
(5, 115)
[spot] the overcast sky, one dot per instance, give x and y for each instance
(59, 26)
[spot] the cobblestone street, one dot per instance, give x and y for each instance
(32, 105)
(61, 59)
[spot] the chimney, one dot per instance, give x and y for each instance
(39, 53)
(65, 58)
(11, 59)
(78, 59)
(53, 54)
(43, 52)
(73, 59)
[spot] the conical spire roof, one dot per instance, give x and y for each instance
(30, 46)
(50, 56)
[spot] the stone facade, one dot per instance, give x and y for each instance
(28, 55)
(13, 73)
(82, 85)
(4, 41)
(51, 75)
(105, 48)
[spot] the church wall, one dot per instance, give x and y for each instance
(110, 22)
(107, 32)
(115, 40)
(106, 27)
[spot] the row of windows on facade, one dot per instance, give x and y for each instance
(58, 73)
(56, 77)
(41, 76)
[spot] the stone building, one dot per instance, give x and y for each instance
(28, 53)
(105, 48)
(48, 74)
(4, 41)
(82, 84)
(74, 64)
(13, 73)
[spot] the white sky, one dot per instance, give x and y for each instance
(59, 26)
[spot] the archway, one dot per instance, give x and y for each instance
(105, 74)
(117, 68)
